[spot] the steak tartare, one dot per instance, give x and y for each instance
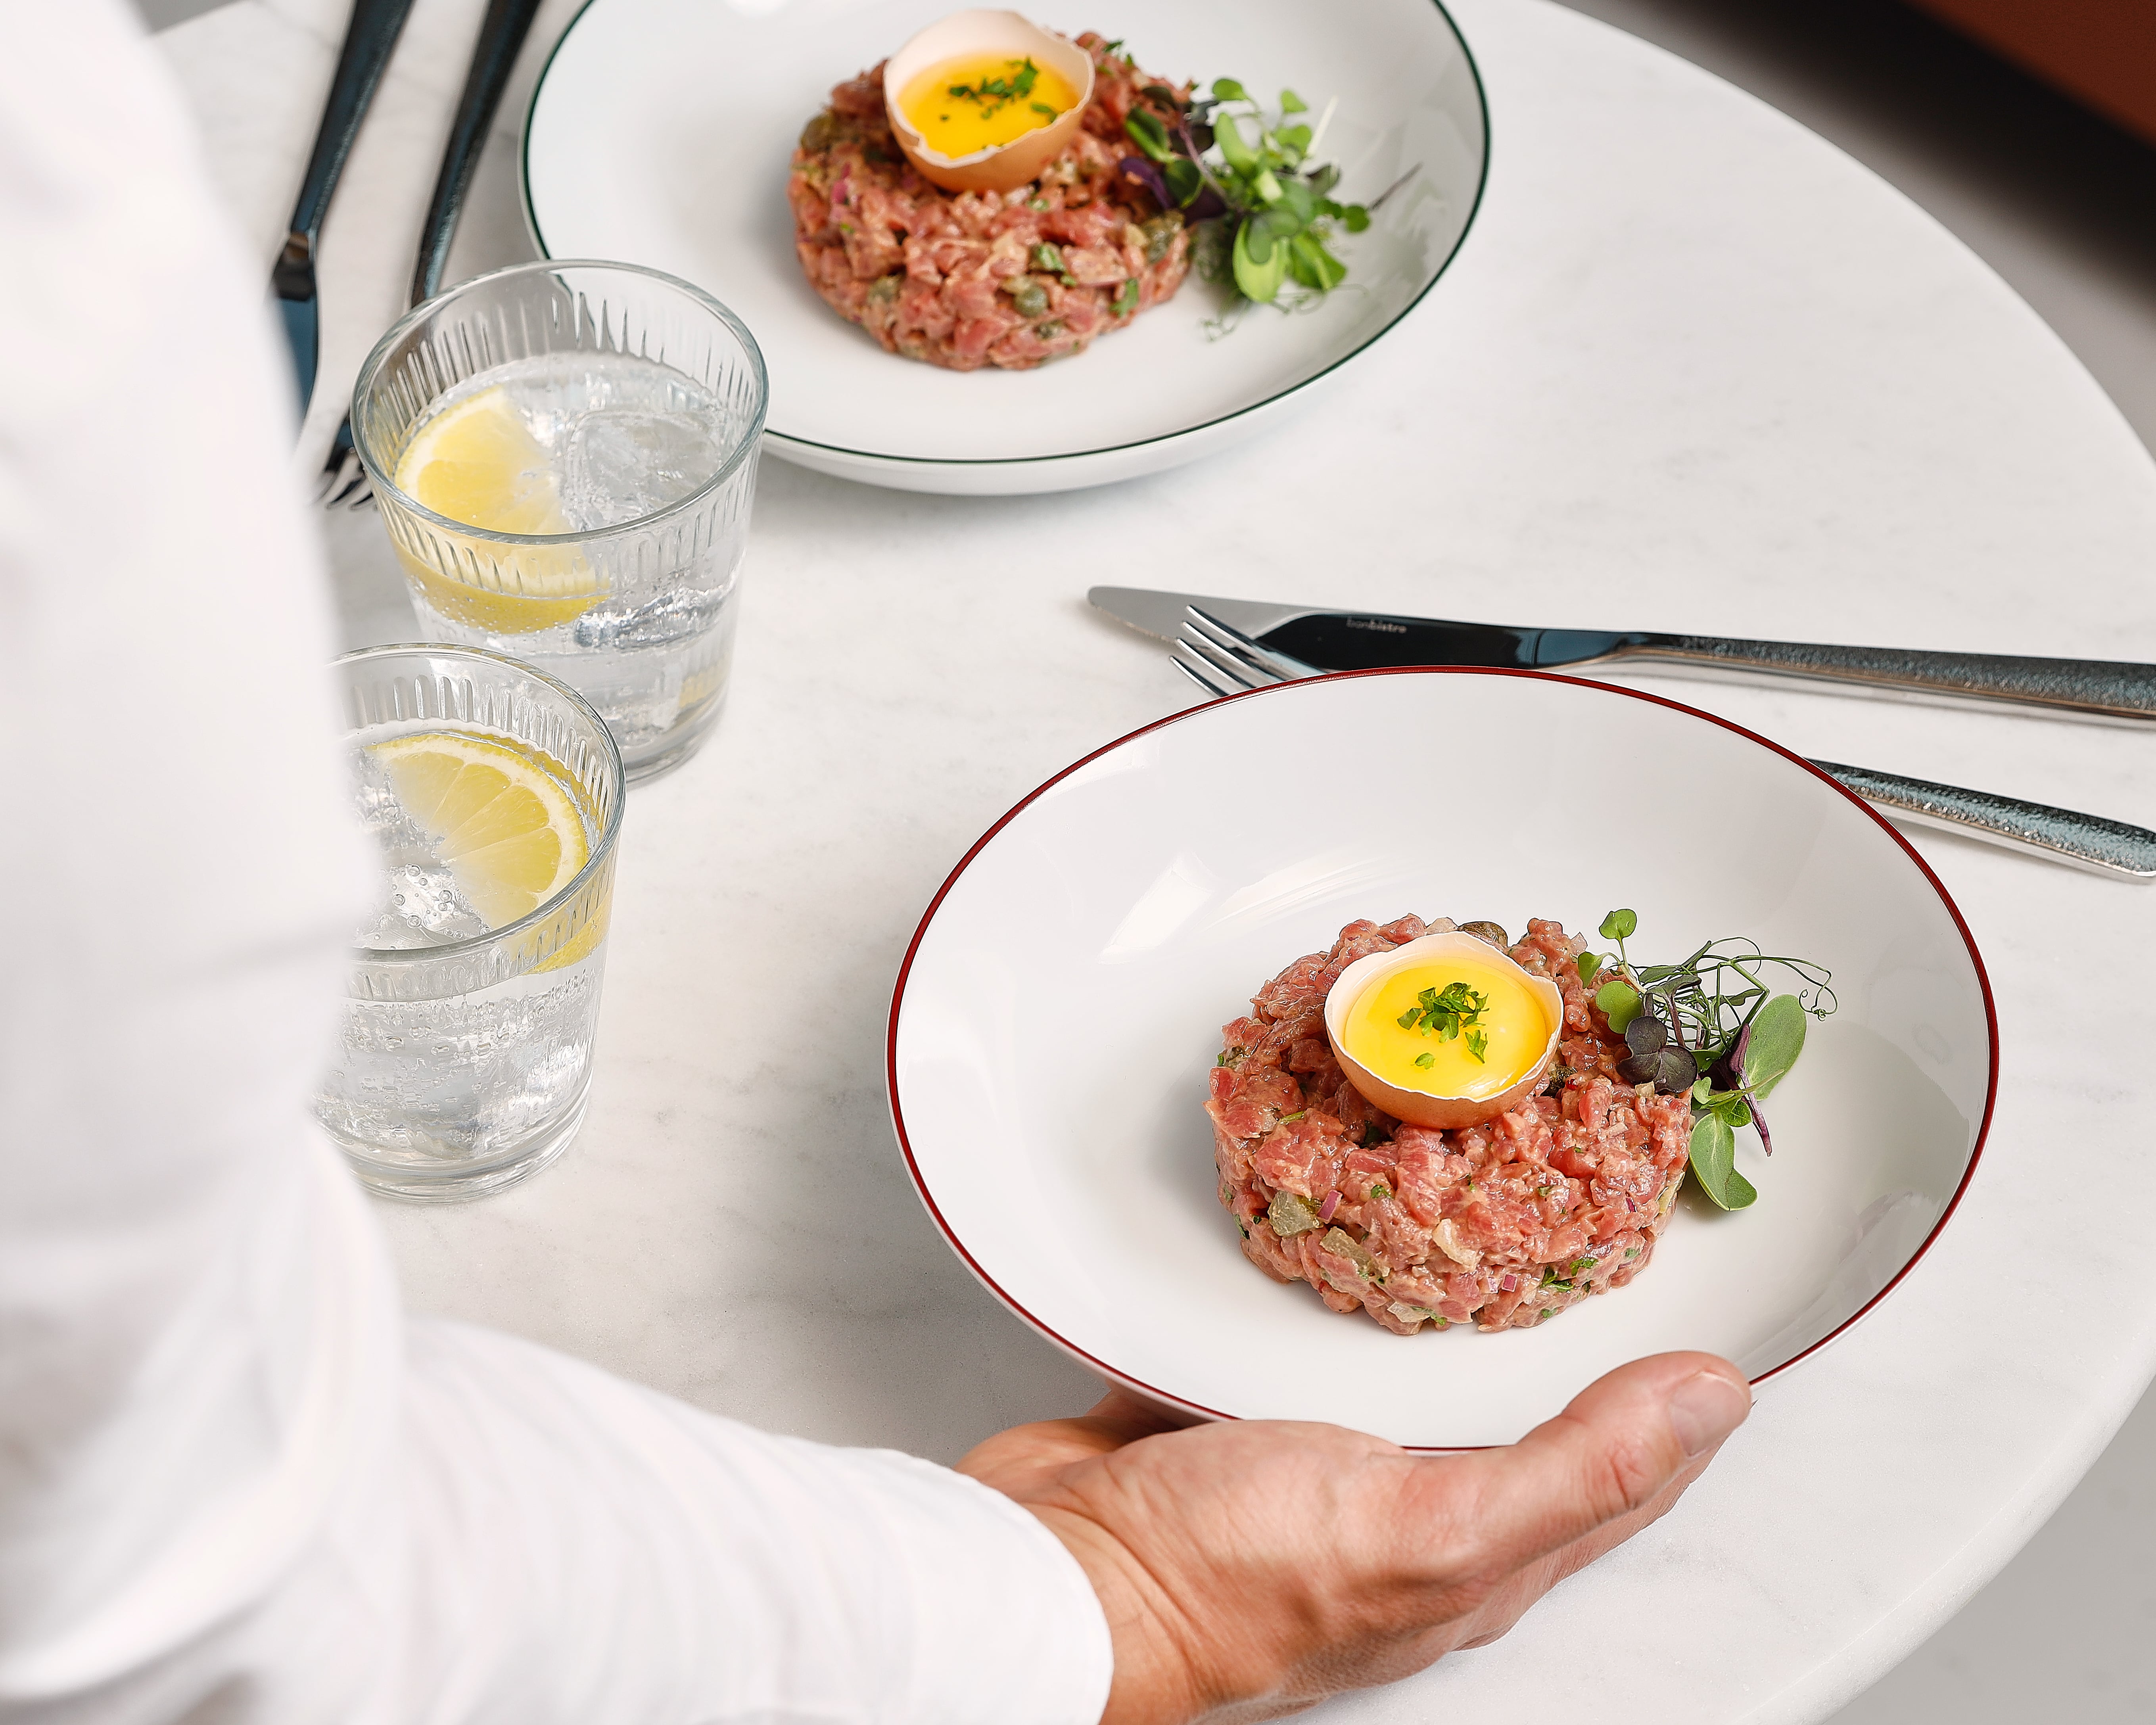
(1502, 1223)
(976, 279)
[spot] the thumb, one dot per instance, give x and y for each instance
(1625, 1441)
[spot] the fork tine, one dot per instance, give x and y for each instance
(1204, 671)
(343, 477)
(1283, 667)
(1175, 659)
(1226, 665)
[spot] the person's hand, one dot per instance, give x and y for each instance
(1251, 1569)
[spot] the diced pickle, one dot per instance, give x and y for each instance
(1160, 235)
(1291, 1215)
(820, 132)
(1347, 1246)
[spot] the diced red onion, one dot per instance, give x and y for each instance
(1331, 1203)
(1508, 1283)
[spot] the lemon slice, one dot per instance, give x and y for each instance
(477, 463)
(508, 830)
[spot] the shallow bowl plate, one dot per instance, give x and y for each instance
(660, 133)
(1057, 1016)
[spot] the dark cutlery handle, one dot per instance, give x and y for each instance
(2104, 688)
(501, 38)
(2084, 841)
(368, 39)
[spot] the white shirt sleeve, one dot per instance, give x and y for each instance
(235, 1485)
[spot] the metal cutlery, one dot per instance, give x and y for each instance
(368, 39)
(1327, 640)
(501, 36)
(1221, 660)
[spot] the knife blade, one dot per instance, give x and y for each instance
(368, 39)
(2104, 689)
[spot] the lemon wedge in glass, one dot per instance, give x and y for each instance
(476, 463)
(509, 830)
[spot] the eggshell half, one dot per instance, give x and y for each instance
(1001, 167)
(1420, 1107)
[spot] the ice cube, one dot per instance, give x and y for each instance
(622, 463)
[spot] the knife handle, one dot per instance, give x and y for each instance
(2090, 688)
(368, 39)
(501, 36)
(2064, 835)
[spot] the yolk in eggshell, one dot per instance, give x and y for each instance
(978, 101)
(1514, 1024)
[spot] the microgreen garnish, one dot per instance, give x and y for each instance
(1711, 1028)
(992, 95)
(1261, 209)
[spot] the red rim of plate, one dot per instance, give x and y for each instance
(1153, 1392)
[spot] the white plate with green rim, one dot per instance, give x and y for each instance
(660, 135)
(1060, 1009)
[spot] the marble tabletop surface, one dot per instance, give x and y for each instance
(1694, 369)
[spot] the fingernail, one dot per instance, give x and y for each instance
(1706, 1409)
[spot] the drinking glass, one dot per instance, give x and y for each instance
(639, 400)
(465, 1055)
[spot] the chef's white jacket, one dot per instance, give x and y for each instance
(237, 1484)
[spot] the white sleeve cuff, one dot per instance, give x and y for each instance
(584, 1549)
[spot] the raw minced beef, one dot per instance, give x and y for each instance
(1501, 1224)
(975, 279)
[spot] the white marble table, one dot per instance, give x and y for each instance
(1693, 368)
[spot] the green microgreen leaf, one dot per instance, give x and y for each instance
(1291, 103)
(1226, 90)
(1714, 1163)
(1148, 134)
(1235, 148)
(1588, 965)
(1355, 217)
(1777, 1038)
(1620, 926)
(1618, 1003)
(1184, 181)
(1260, 265)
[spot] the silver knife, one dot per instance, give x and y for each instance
(2105, 690)
(368, 39)
(1223, 658)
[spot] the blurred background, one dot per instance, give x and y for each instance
(2027, 129)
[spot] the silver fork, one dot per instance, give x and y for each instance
(1223, 660)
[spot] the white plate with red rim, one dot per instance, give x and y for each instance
(1061, 1005)
(660, 133)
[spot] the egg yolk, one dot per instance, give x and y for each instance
(980, 100)
(1399, 1027)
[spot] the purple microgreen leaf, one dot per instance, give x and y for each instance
(1137, 167)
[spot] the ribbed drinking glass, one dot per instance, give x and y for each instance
(564, 454)
(494, 796)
